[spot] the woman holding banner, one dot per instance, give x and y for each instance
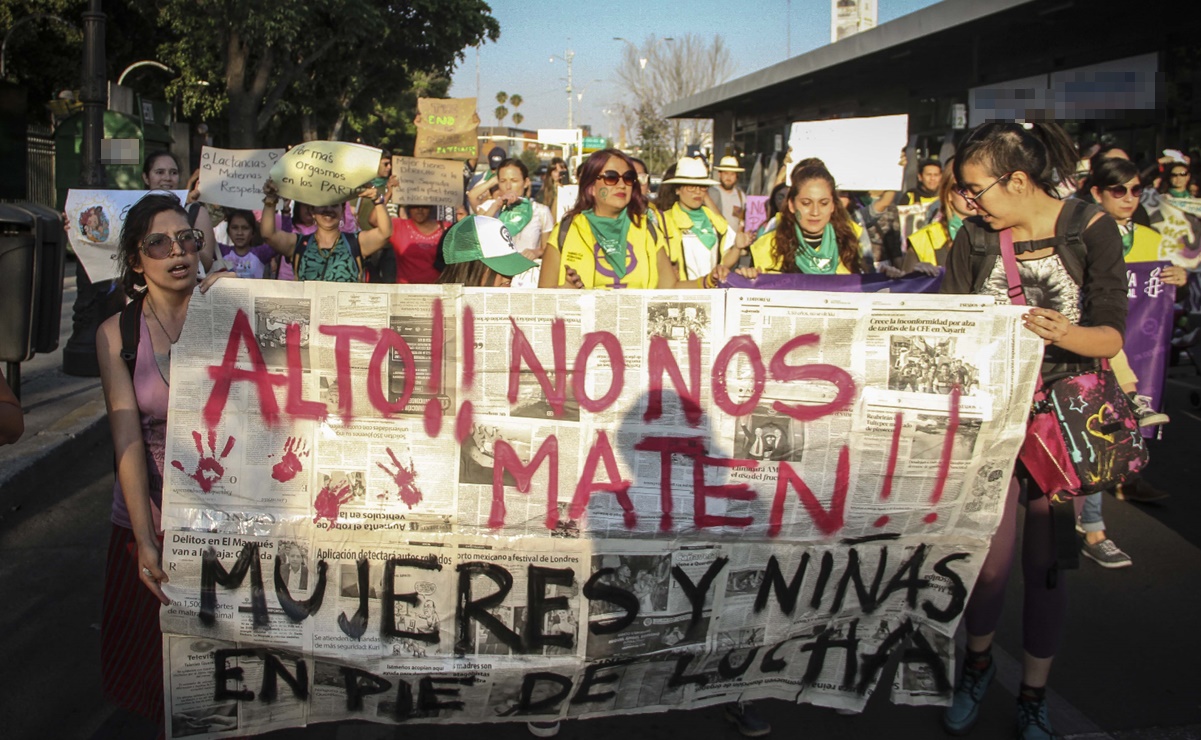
(815, 234)
(328, 253)
(698, 238)
(158, 253)
(605, 240)
(1008, 174)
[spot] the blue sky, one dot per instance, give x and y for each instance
(533, 30)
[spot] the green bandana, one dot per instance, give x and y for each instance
(702, 227)
(823, 261)
(1178, 193)
(517, 216)
(1127, 240)
(953, 225)
(611, 235)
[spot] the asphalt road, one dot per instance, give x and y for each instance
(1130, 668)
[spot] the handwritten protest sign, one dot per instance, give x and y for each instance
(861, 153)
(325, 173)
(427, 182)
(94, 221)
(446, 128)
(528, 505)
(756, 212)
(234, 177)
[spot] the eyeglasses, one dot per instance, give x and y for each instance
(973, 201)
(1119, 191)
(159, 246)
(610, 177)
(698, 188)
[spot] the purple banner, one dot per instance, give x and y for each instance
(875, 283)
(1149, 329)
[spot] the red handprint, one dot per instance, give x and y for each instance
(209, 469)
(405, 478)
(287, 468)
(329, 502)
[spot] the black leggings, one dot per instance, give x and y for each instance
(1045, 607)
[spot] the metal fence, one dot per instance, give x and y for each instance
(39, 167)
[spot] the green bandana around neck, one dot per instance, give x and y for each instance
(611, 234)
(823, 260)
(953, 225)
(702, 227)
(1178, 193)
(1127, 240)
(517, 216)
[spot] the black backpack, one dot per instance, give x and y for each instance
(131, 332)
(986, 243)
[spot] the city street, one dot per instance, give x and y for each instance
(1129, 668)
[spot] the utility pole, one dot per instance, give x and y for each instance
(568, 56)
(93, 302)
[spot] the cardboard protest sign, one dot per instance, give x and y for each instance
(234, 177)
(325, 173)
(562, 504)
(861, 153)
(94, 221)
(427, 182)
(446, 129)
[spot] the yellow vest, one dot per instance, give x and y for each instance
(1146, 245)
(676, 222)
(763, 253)
(928, 240)
(581, 253)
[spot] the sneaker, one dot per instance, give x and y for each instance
(543, 729)
(1140, 490)
(961, 716)
(1033, 722)
(1145, 413)
(749, 722)
(1107, 554)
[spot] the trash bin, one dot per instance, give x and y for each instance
(32, 256)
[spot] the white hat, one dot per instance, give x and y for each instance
(729, 164)
(691, 171)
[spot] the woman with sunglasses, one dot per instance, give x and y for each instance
(815, 235)
(329, 253)
(1179, 180)
(698, 238)
(606, 241)
(158, 253)
(1008, 174)
(160, 171)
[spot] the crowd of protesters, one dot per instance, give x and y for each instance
(512, 230)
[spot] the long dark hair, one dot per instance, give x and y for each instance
(667, 193)
(785, 243)
(134, 230)
(1111, 172)
(1042, 150)
(590, 173)
(473, 274)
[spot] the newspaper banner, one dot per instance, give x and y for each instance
(871, 283)
(234, 177)
(756, 212)
(1149, 329)
(94, 221)
(427, 182)
(479, 505)
(446, 129)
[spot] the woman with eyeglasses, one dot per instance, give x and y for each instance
(160, 171)
(329, 253)
(158, 252)
(814, 235)
(606, 241)
(698, 238)
(1069, 258)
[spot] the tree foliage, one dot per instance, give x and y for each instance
(673, 69)
(500, 112)
(501, 97)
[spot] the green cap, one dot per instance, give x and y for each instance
(488, 240)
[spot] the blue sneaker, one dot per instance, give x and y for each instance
(1033, 722)
(749, 722)
(961, 716)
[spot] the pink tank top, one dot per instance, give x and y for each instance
(152, 393)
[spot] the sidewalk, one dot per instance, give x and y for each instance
(64, 419)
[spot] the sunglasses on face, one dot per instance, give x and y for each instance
(610, 177)
(159, 246)
(1179, 174)
(1119, 191)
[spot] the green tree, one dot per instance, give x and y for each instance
(530, 159)
(275, 70)
(653, 132)
(501, 97)
(517, 119)
(500, 113)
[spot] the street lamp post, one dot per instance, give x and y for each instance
(567, 57)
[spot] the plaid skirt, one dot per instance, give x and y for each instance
(131, 642)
